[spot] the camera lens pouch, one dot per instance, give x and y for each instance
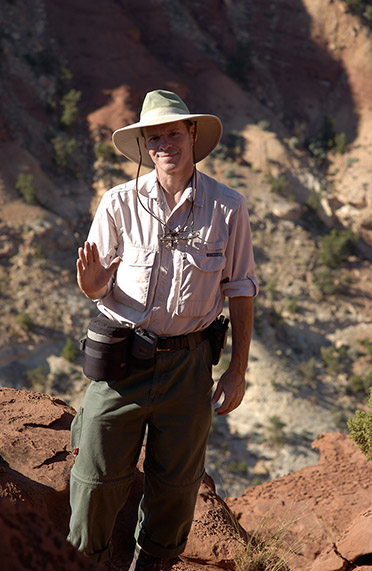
(105, 349)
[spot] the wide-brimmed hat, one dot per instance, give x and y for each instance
(161, 107)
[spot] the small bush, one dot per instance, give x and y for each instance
(277, 184)
(340, 143)
(63, 149)
(24, 321)
(360, 383)
(363, 8)
(26, 188)
(292, 305)
(308, 369)
(69, 351)
(70, 109)
(275, 431)
(313, 200)
(331, 359)
(336, 246)
(360, 429)
(220, 152)
(105, 152)
(366, 343)
(327, 140)
(38, 378)
(324, 281)
(235, 143)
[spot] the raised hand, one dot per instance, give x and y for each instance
(92, 276)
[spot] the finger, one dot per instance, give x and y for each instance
(217, 394)
(79, 270)
(88, 252)
(82, 257)
(225, 408)
(95, 254)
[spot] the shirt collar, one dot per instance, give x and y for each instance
(151, 188)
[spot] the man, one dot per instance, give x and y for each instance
(163, 252)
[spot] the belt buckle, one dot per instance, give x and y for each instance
(159, 349)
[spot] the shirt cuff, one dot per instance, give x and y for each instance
(242, 288)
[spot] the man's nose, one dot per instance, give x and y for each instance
(164, 142)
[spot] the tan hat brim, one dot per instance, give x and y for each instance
(209, 132)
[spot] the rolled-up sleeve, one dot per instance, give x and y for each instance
(239, 274)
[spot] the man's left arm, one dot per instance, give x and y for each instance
(232, 382)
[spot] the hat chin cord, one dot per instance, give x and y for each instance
(171, 236)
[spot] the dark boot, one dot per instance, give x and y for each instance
(143, 561)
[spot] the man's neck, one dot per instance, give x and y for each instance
(173, 186)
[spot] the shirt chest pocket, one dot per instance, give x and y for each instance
(133, 277)
(201, 278)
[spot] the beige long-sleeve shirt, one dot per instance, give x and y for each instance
(174, 289)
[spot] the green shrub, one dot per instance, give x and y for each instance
(105, 152)
(331, 359)
(340, 143)
(26, 188)
(335, 247)
(24, 321)
(360, 383)
(366, 343)
(235, 143)
(292, 305)
(363, 8)
(360, 429)
(277, 184)
(63, 149)
(39, 252)
(308, 369)
(69, 351)
(313, 200)
(38, 378)
(324, 281)
(220, 152)
(70, 109)
(275, 431)
(327, 140)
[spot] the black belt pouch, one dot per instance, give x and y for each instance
(105, 349)
(217, 333)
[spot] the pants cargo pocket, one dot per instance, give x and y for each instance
(76, 426)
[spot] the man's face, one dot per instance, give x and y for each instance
(170, 146)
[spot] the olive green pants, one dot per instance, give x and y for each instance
(172, 400)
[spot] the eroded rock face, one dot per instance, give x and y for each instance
(318, 502)
(326, 508)
(29, 540)
(34, 450)
(34, 483)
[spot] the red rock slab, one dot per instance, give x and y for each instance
(318, 502)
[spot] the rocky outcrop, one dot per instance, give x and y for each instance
(326, 509)
(34, 482)
(319, 503)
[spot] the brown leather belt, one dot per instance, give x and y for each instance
(181, 341)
